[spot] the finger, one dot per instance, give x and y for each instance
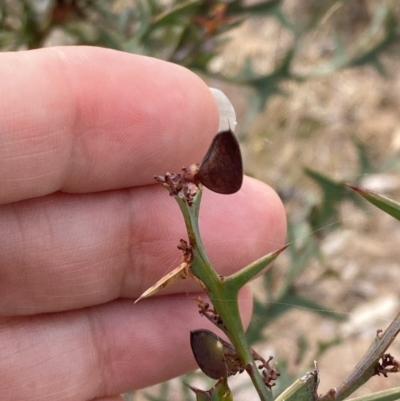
(112, 398)
(81, 119)
(100, 351)
(83, 250)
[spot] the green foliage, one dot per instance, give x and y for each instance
(333, 194)
(304, 389)
(389, 206)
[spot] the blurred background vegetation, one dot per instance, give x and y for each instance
(316, 87)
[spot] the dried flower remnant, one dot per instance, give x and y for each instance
(184, 184)
(210, 313)
(388, 364)
(186, 251)
(270, 375)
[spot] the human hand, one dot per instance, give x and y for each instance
(84, 233)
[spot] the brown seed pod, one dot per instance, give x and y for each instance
(208, 351)
(221, 170)
(215, 357)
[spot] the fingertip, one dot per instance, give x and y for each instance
(85, 119)
(250, 223)
(245, 299)
(270, 208)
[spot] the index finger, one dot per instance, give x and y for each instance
(82, 119)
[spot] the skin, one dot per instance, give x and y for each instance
(84, 229)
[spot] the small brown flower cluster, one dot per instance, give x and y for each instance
(186, 250)
(269, 374)
(387, 365)
(210, 313)
(184, 184)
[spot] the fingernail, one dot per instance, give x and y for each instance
(227, 115)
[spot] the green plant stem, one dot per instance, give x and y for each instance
(364, 370)
(226, 304)
(224, 298)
